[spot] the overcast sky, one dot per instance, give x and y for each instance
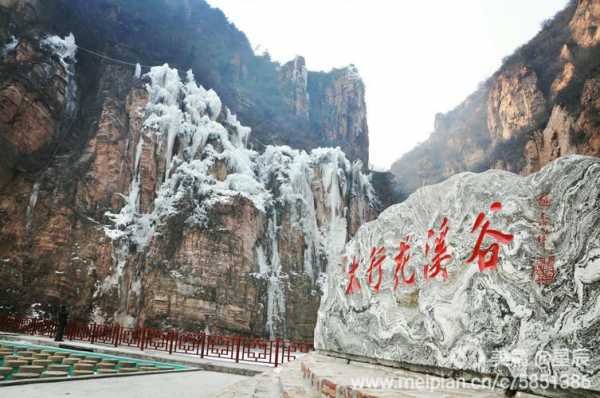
(417, 58)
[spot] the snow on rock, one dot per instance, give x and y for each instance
(10, 46)
(197, 139)
(65, 48)
(539, 298)
(31, 206)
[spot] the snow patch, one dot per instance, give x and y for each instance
(65, 48)
(10, 46)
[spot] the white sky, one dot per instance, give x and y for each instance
(417, 58)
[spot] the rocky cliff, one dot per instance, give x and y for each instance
(543, 103)
(273, 99)
(133, 194)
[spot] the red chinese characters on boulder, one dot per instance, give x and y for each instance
(488, 257)
(544, 201)
(353, 283)
(401, 260)
(439, 250)
(544, 270)
(377, 257)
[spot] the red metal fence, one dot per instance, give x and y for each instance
(234, 348)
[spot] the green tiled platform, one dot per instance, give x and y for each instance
(14, 355)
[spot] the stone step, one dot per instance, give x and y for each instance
(106, 371)
(41, 362)
(56, 358)
(106, 365)
(5, 370)
(22, 376)
(126, 364)
(82, 372)
(58, 368)
(70, 361)
(40, 356)
(84, 366)
(128, 370)
(15, 363)
(31, 369)
(88, 362)
(332, 377)
(62, 354)
(54, 373)
(318, 376)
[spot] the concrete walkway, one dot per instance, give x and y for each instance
(200, 384)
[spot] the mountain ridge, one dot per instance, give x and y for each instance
(537, 106)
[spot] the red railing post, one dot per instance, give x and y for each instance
(276, 351)
(171, 336)
(197, 342)
(202, 342)
(176, 341)
(116, 330)
(93, 336)
(142, 337)
(70, 330)
(237, 351)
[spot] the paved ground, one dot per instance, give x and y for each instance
(199, 384)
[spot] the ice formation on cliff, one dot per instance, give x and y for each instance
(65, 48)
(195, 134)
(10, 46)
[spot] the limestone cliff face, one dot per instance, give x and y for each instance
(37, 101)
(585, 23)
(294, 79)
(514, 104)
(331, 106)
(339, 112)
(136, 199)
(541, 104)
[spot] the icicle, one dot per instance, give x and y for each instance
(138, 71)
(275, 296)
(31, 206)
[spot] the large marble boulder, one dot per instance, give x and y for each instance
(522, 301)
